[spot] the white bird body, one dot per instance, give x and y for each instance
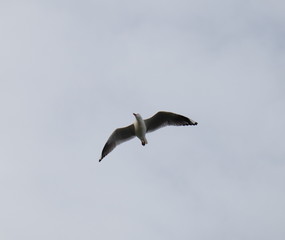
(141, 127)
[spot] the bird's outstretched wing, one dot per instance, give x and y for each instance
(162, 119)
(120, 135)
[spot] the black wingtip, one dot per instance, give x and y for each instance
(192, 122)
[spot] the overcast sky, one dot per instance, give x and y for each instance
(73, 71)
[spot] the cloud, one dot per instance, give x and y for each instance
(72, 73)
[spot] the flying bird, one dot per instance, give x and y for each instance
(142, 126)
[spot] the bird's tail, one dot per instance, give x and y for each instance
(144, 142)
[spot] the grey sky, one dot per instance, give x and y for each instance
(73, 71)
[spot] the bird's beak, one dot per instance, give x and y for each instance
(134, 114)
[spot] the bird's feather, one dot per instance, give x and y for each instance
(162, 119)
(119, 136)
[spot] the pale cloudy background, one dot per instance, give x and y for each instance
(73, 71)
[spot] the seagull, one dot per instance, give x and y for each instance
(142, 126)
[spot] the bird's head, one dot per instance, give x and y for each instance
(137, 116)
